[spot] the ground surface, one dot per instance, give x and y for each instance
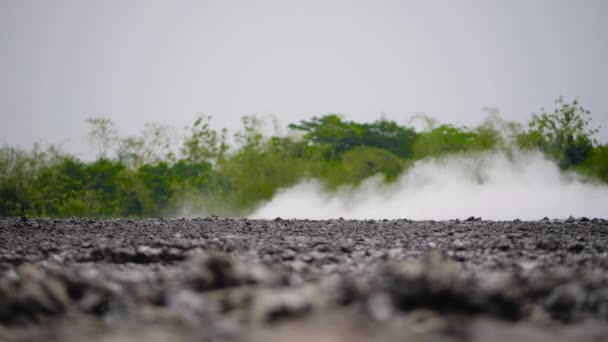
(283, 280)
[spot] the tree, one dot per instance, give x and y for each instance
(564, 134)
(389, 136)
(204, 143)
(340, 136)
(154, 145)
(597, 163)
(363, 162)
(330, 131)
(102, 134)
(447, 139)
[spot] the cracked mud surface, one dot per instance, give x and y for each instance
(214, 279)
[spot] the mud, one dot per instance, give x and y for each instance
(213, 279)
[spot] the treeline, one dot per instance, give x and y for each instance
(208, 173)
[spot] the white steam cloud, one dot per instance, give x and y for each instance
(493, 186)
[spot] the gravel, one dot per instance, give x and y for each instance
(213, 279)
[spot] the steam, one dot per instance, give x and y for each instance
(493, 186)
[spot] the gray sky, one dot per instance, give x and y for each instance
(167, 61)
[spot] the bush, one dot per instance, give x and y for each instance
(203, 175)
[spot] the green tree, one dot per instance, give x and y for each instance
(389, 136)
(339, 136)
(362, 162)
(331, 132)
(596, 164)
(204, 143)
(257, 169)
(102, 134)
(448, 139)
(154, 145)
(166, 183)
(563, 134)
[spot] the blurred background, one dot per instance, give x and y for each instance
(241, 108)
(137, 61)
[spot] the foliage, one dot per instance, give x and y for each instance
(448, 139)
(564, 134)
(597, 163)
(363, 162)
(156, 173)
(339, 136)
(204, 143)
(261, 166)
(154, 145)
(102, 134)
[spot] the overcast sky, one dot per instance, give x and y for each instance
(168, 61)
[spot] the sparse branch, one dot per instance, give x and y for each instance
(102, 135)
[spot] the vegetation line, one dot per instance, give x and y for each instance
(158, 174)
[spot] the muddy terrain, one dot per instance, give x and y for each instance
(213, 279)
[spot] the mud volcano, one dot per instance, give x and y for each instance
(215, 279)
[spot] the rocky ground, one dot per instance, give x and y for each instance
(213, 279)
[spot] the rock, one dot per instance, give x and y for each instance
(214, 271)
(501, 294)
(147, 254)
(414, 284)
(504, 244)
(380, 306)
(288, 255)
(459, 245)
(365, 280)
(564, 300)
(275, 306)
(34, 294)
(95, 302)
(576, 247)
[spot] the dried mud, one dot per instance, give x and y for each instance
(213, 279)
